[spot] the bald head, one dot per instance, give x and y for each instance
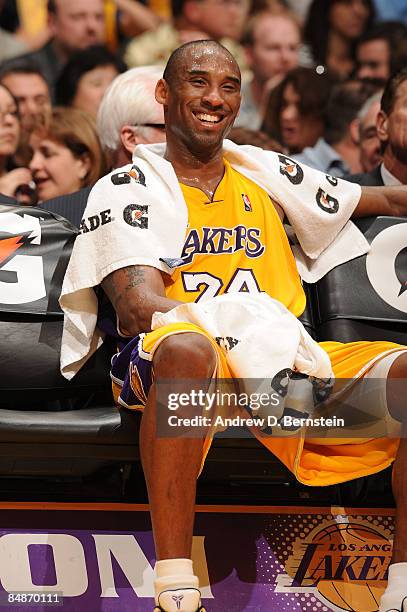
(200, 93)
(186, 54)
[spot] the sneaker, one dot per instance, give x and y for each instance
(180, 600)
(403, 607)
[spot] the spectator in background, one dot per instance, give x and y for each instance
(332, 29)
(337, 151)
(369, 143)
(11, 178)
(392, 132)
(74, 25)
(130, 115)
(221, 20)
(294, 113)
(25, 81)
(67, 154)
(272, 44)
(85, 78)
(382, 51)
(27, 19)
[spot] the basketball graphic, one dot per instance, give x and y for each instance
(344, 563)
(357, 594)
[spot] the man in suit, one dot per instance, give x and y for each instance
(392, 132)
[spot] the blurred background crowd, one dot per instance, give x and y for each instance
(324, 82)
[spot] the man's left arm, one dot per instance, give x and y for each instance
(391, 201)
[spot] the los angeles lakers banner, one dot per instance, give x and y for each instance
(254, 560)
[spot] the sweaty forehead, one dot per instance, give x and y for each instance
(210, 59)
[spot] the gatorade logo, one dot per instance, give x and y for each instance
(21, 275)
(90, 224)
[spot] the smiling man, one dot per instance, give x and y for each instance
(193, 219)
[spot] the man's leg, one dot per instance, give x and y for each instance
(171, 465)
(397, 403)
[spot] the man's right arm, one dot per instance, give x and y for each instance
(390, 201)
(136, 292)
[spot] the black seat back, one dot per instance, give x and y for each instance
(35, 246)
(366, 298)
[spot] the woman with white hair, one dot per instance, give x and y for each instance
(130, 115)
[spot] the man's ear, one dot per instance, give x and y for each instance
(128, 138)
(161, 92)
(382, 126)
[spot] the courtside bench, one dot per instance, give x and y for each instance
(63, 440)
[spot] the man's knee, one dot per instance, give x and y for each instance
(188, 354)
(397, 389)
(399, 367)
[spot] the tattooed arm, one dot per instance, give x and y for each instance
(136, 292)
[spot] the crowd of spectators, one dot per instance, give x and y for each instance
(77, 84)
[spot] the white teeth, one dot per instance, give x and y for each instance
(211, 118)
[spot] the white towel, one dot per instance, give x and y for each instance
(268, 337)
(263, 340)
(143, 218)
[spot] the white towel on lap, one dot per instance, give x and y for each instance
(265, 337)
(263, 340)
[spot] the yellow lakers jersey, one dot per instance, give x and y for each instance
(235, 242)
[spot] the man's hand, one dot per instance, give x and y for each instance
(135, 18)
(136, 292)
(391, 201)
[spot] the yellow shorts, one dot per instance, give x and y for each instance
(314, 462)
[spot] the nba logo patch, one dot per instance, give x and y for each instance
(247, 203)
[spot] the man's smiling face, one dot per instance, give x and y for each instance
(202, 99)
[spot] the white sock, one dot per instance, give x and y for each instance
(174, 574)
(396, 588)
